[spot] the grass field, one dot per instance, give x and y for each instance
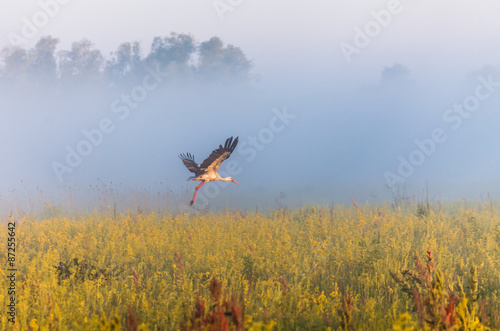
(310, 268)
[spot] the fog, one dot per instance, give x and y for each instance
(339, 102)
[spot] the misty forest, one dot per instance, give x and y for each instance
(156, 103)
(366, 206)
(179, 56)
(52, 93)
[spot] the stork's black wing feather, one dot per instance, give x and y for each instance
(188, 160)
(215, 159)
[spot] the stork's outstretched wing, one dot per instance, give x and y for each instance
(213, 162)
(188, 160)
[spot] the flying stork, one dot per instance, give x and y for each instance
(207, 171)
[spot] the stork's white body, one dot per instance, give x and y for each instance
(208, 177)
(207, 171)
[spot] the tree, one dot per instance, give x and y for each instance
(172, 53)
(124, 62)
(219, 62)
(16, 63)
(395, 75)
(82, 62)
(43, 64)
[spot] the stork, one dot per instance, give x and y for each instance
(207, 171)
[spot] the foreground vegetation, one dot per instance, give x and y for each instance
(312, 268)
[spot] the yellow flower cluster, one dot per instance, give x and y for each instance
(311, 268)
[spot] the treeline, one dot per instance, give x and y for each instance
(179, 58)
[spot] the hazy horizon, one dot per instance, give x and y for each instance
(342, 101)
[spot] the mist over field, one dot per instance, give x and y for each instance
(367, 164)
(337, 102)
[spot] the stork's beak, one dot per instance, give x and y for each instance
(234, 182)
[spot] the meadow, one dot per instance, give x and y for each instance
(357, 267)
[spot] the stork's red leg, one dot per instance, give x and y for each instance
(196, 192)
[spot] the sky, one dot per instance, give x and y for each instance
(333, 120)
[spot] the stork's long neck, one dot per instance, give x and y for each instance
(226, 179)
